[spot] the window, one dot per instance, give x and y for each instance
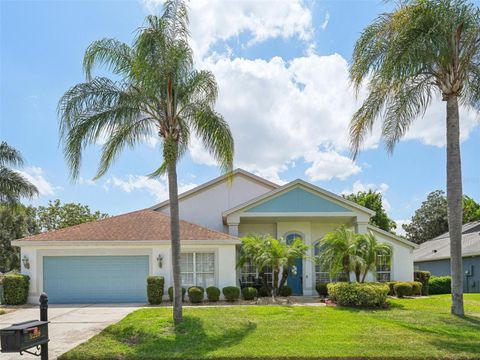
(197, 269)
(383, 267)
(249, 273)
(322, 272)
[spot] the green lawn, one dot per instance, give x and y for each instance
(411, 328)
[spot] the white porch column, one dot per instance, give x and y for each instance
(233, 229)
(361, 227)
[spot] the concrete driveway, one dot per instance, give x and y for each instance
(70, 325)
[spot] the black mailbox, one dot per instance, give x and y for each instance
(25, 335)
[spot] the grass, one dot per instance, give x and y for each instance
(2, 312)
(410, 328)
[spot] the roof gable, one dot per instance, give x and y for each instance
(316, 199)
(298, 200)
(209, 184)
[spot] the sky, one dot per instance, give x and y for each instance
(282, 70)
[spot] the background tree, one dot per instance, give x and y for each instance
(15, 222)
(13, 185)
(430, 220)
(57, 215)
(421, 49)
(373, 200)
(266, 252)
(471, 210)
(159, 94)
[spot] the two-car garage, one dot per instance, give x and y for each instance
(95, 279)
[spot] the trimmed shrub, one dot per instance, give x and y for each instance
(195, 294)
(403, 289)
(249, 293)
(440, 285)
(285, 291)
(322, 289)
(390, 285)
(170, 293)
(358, 294)
(231, 293)
(198, 287)
(416, 288)
(423, 277)
(15, 288)
(155, 289)
(213, 293)
(263, 292)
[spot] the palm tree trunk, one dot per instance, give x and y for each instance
(284, 277)
(175, 236)
(454, 200)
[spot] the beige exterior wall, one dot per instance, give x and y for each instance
(225, 257)
(206, 206)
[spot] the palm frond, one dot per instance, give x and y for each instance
(117, 57)
(9, 155)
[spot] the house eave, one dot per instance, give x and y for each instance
(118, 243)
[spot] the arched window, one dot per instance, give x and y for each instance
(292, 236)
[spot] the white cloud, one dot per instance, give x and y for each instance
(399, 230)
(325, 21)
(36, 176)
(327, 165)
(381, 188)
(279, 111)
(212, 21)
(430, 129)
(156, 187)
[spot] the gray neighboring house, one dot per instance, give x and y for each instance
(434, 256)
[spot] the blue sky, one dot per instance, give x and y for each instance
(282, 72)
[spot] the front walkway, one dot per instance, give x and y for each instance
(70, 325)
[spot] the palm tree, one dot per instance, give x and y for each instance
(421, 49)
(368, 249)
(338, 252)
(13, 185)
(159, 93)
(266, 252)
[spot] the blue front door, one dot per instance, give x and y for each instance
(295, 273)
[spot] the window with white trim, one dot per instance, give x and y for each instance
(322, 272)
(197, 269)
(249, 274)
(384, 268)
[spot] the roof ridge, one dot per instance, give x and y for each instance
(69, 228)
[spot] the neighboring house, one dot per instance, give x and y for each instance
(109, 260)
(434, 256)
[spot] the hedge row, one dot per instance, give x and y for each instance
(440, 285)
(358, 294)
(423, 277)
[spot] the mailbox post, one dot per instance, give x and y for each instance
(44, 317)
(24, 336)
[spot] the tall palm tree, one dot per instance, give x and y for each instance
(13, 185)
(339, 253)
(369, 248)
(159, 93)
(421, 49)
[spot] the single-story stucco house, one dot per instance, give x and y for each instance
(434, 256)
(109, 260)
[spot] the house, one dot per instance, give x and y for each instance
(108, 260)
(434, 256)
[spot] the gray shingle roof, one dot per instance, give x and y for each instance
(439, 247)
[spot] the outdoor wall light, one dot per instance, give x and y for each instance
(26, 262)
(160, 261)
